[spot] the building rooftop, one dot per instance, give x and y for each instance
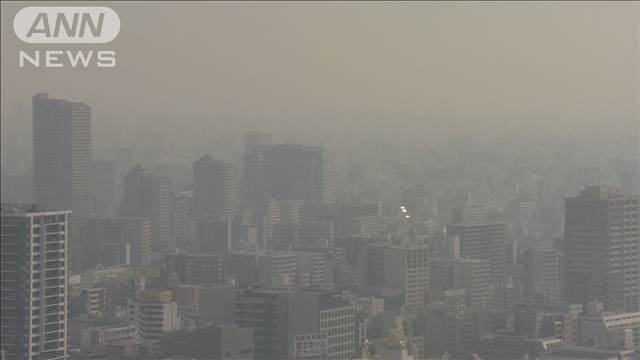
(17, 209)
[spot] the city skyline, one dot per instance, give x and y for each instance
(321, 181)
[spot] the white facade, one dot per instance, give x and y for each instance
(155, 314)
(34, 282)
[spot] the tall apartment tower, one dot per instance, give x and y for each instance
(485, 241)
(34, 282)
(215, 186)
(149, 195)
(602, 242)
(62, 155)
(290, 172)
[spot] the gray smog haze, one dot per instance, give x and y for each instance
(347, 66)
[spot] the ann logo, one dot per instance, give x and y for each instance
(66, 25)
(76, 27)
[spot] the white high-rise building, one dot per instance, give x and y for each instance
(34, 247)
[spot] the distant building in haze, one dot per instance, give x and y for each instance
(215, 188)
(486, 241)
(149, 195)
(62, 155)
(290, 172)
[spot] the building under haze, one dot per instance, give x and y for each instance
(486, 241)
(290, 172)
(149, 195)
(62, 155)
(155, 313)
(602, 240)
(283, 318)
(542, 274)
(198, 269)
(472, 275)
(255, 139)
(34, 245)
(214, 236)
(183, 225)
(400, 270)
(114, 242)
(215, 184)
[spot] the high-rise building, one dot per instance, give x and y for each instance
(358, 220)
(313, 270)
(266, 268)
(539, 319)
(254, 186)
(549, 195)
(266, 314)
(214, 236)
(215, 184)
(290, 172)
(276, 268)
(602, 239)
(472, 275)
(440, 330)
(472, 214)
(454, 332)
(198, 269)
(183, 227)
(62, 155)
(34, 245)
(327, 314)
(255, 139)
(630, 182)
(114, 242)
(316, 233)
(541, 274)
(105, 185)
(272, 212)
(279, 317)
(482, 241)
(149, 195)
(522, 214)
(400, 269)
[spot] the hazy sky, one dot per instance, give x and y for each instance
(349, 65)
